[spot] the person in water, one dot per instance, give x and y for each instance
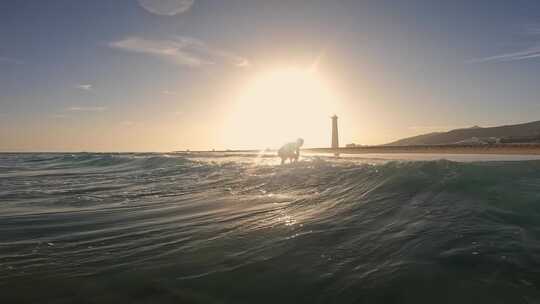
(290, 151)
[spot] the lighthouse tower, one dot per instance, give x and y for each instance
(335, 136)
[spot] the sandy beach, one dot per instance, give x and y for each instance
(507, 149)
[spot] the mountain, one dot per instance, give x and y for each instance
(526, 132)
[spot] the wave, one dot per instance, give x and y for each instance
(343, 231)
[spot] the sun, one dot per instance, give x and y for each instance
(279, 106)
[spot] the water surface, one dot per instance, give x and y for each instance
(238, 228)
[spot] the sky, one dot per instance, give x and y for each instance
(166, 75)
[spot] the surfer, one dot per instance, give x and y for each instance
(290, 151)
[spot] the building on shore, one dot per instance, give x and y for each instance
(335, 135)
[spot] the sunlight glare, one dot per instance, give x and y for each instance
(279, 106)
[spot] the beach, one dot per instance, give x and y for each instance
(508, 149)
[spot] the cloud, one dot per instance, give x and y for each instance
(531, 35)
(183, 51)
(85, 87)
(86, 109)
(534, 30)
(529, 53)
(166, 7)
(170, 93)
(8, 60)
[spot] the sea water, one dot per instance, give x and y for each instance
(240, 228)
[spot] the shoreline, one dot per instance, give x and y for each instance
(498, 149)
(501, 149)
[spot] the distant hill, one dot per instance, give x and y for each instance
(527, 132)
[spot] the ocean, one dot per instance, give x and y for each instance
(240, 228)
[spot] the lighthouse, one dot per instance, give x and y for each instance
(335, 136)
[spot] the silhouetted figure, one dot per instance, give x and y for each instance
(290, 151)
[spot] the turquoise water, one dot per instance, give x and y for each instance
(230, 228)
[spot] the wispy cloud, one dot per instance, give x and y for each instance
(86, 109)
(170, 93)
(529, 53)
(166, 7)
(183, 51)
(531, 29)
(531, 36)
(9, 60)
(85, 87)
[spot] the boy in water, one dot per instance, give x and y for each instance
(290, 151)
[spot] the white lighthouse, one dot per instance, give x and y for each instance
(335, 135)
